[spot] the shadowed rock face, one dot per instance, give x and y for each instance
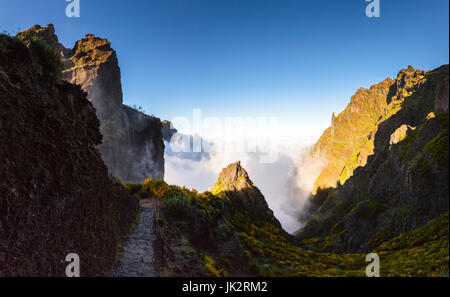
(132, 145)
(168, 130)
(441, 101)
(56, 195)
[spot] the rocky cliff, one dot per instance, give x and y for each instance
(132, 145)
(387, 170)
(56, 195)
(234, 182)
(347, 142)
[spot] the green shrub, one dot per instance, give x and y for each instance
(45, 60)
(133, 189)
(211, 267)
(177, 206)
(156, 188)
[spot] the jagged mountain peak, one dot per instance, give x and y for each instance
(233, 171)
(91, 42)
(132, 145)
(234, 177)
(46, 34)
(91, 63)
(235, 182)
(387, 156)
(349, 141)
(409, 69)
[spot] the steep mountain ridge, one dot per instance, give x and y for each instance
(350, 131)
(132, 145)
(396, 180)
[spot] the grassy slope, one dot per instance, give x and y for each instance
(206, 235)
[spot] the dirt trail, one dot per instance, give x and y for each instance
(137, 256)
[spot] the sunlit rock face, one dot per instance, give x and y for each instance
(132, 145)
(96, 69)
(390, 175)
(350, 140)
(234, 181)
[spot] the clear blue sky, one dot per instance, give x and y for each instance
(298, 60)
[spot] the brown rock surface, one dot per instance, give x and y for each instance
(132, 145)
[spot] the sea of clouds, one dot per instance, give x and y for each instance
(286, 181)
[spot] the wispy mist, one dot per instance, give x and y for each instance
(286, 183)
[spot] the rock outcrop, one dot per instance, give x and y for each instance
(206, 234)
(391, 174)
(56, 195)
(400, 134)
(234, 182)
(168, 130)
(132, 145)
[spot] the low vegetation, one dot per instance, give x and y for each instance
(400, 185)
(207, 235)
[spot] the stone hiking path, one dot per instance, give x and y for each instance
(137, 256)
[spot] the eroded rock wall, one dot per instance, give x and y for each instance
(56, 196)
(132, 145)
